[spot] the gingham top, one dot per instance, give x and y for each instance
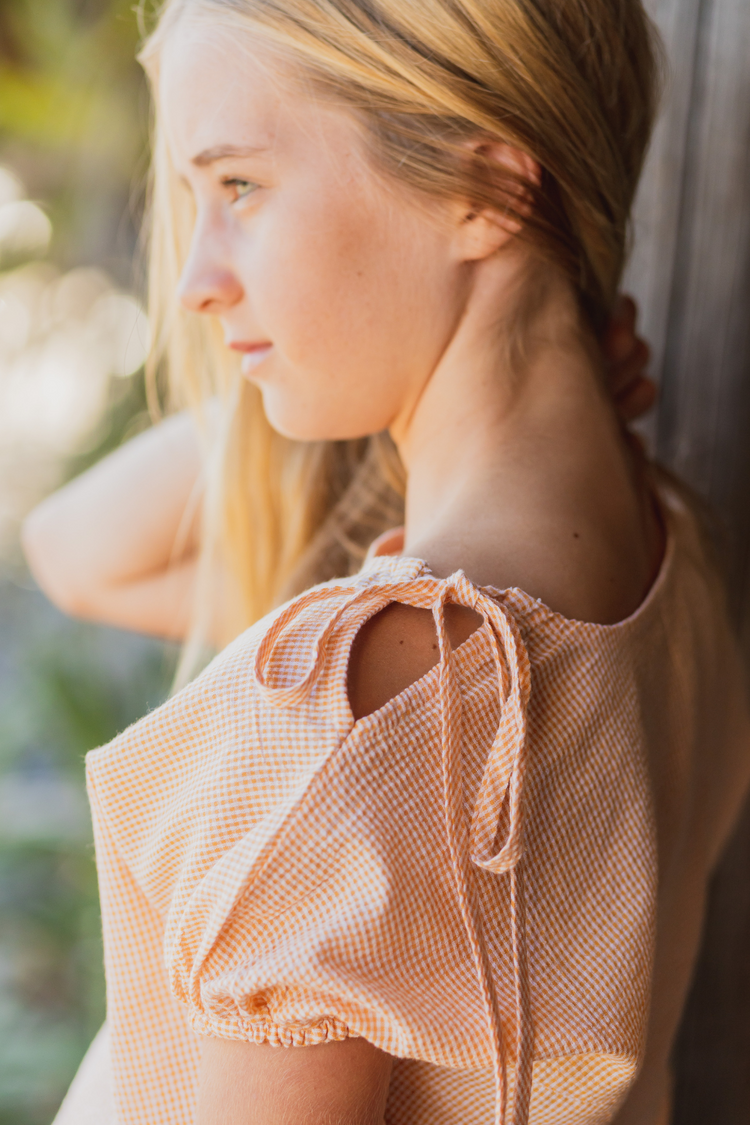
(469, 877)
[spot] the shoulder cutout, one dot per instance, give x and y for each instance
(395, 648)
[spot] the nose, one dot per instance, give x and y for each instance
(208, 283)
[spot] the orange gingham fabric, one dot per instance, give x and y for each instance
(469, 877)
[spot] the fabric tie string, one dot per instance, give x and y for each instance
(502, 782)
(501, 788)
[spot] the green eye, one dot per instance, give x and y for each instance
(241, 188)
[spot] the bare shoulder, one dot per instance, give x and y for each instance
(395, 648)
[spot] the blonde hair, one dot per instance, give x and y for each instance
(572, 83)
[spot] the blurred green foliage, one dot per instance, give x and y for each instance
(73, 124)
(67, 688)
(73, 120)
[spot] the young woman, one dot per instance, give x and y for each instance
(427, 843)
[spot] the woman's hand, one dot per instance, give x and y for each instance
(626, 357)
(118, 544)
(343, 1083)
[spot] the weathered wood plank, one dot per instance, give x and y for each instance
(656, 219)
(691, 274)
(712, 1058)
(704, 414)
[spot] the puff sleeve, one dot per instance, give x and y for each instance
(309, 873)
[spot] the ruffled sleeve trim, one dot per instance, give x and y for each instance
(327, 1029)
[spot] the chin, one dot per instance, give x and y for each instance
(299, 422)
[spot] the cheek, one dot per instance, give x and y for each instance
(321, 286)
(357, 310)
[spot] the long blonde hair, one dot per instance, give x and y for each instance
(570, 82)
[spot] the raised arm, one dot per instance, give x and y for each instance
(118, 544)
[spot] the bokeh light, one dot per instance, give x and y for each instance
(63, 336)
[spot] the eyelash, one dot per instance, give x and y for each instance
(233, 181)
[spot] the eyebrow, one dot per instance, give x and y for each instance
(221, 152)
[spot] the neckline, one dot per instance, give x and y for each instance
(670, 506)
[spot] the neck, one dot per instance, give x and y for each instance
(512, 464)
(479, 413)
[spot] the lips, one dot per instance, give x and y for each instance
(253, 354)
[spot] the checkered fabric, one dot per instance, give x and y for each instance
(468, 877)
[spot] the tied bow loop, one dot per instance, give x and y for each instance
(370, 593)
(293, 694)
(504, 771)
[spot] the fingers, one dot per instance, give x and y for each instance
(626, 358)
(630, 367)
(620, 338)
(625, 311)
(637, 399)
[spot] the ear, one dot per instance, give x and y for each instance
(482, 229)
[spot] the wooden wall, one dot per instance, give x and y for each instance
(690, 271)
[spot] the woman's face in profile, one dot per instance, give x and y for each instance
(340, 288)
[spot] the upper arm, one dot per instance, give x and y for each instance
(340, 1083)
(395, 648)
(102, 546)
